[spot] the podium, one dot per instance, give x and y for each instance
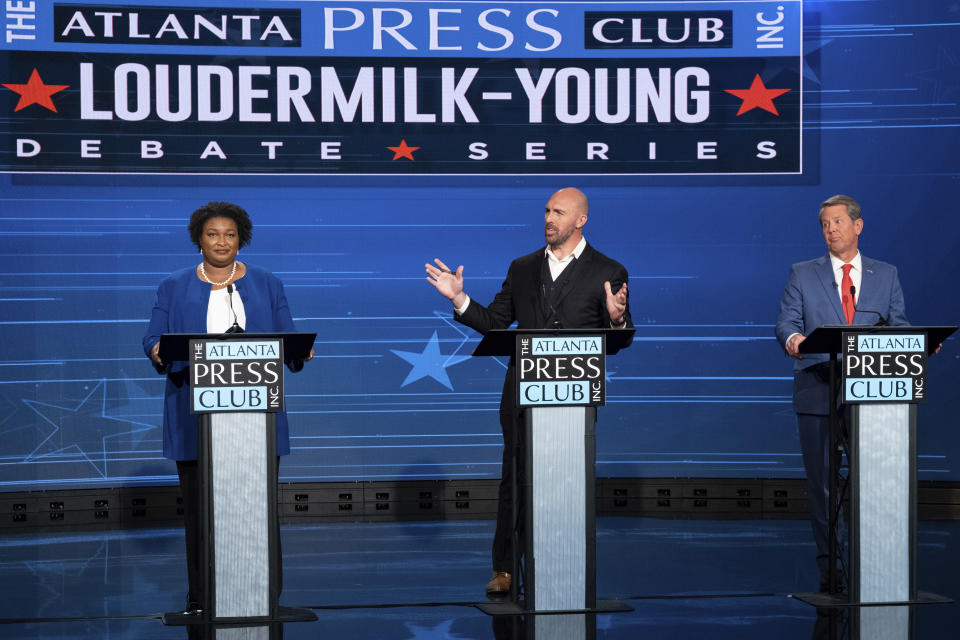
(559, 382)
(881, 449)
(236, 388)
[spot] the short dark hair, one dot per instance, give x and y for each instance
(853, 208)
(220, 210)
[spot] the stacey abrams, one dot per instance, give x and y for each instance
(217, 295)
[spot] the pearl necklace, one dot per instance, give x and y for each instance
(203, 272)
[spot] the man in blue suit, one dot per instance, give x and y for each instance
(842, 287)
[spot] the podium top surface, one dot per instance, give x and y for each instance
(829, 337)
(503, 342)
(176, 346)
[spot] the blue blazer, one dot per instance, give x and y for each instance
(181, 307)
(811, 300)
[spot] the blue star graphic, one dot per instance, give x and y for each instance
(811, 45)
(86, 553)
(439, 630)
(83, 430)
(938, 77)
(429, 363)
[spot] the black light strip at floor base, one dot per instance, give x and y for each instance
(313, 503)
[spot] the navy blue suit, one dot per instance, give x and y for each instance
(811, 299)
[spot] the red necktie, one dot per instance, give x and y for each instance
(846, 284)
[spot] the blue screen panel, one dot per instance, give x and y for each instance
(704, 390)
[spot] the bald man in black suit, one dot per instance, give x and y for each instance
(567, 284)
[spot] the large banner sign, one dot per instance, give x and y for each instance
(402, 87)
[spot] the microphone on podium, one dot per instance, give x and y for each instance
(881, 321)
(236, 328)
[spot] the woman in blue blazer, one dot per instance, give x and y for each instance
(211, 297)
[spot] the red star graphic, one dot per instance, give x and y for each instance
(757, 96)
(36, 92)
(403, 151)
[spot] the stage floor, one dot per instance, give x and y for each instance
(418, 580)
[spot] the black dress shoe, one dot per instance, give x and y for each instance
(825, 588)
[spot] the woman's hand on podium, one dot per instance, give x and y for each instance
(158, 364)
(297, 365)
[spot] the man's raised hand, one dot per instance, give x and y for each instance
(449, 283)
(616, 303)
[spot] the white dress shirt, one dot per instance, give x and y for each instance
(856, 275)
(557, 266)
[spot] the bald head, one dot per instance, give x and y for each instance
(575, 199)
(564, 217)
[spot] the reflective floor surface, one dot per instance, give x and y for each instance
(419, 580)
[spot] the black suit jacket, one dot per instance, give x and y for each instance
(581, 304)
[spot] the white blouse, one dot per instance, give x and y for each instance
(219, 316)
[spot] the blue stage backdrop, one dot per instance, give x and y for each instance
(367, 139)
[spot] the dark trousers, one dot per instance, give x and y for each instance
(192, 487)
(814, 432)
(513, 472)
(513, 461)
